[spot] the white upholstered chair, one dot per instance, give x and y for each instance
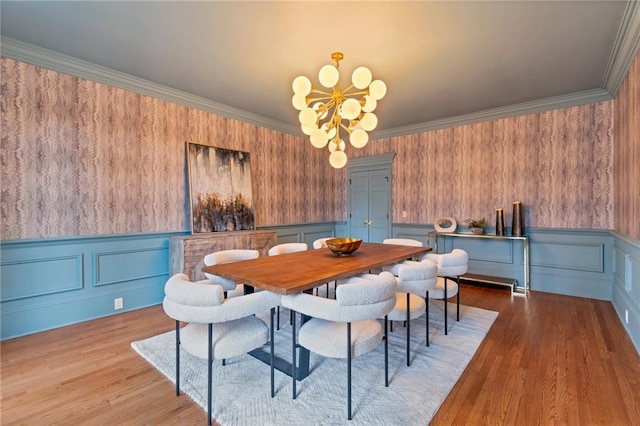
(347, 326)
(318, 244)
(415, 281)
(217, 328)
(282, 249)
(230, 287)
(403, 242)
(450, 267)
(321, 242)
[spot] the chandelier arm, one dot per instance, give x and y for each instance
(361, 92)
(321, 98)
(345, 128)
(313, 90)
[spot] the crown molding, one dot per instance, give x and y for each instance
(540, 105)
(625, 48)
(45, 58)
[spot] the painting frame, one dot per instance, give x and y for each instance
(220, 189)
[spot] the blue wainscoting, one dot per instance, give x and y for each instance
(302, 233)
(563, 261)
(50, 283)
(626, 285)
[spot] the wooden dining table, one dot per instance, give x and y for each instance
(293, 273)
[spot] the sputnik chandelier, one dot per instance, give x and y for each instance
(326, 114)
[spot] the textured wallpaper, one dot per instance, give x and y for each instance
(83, 158)
(558, 163)
(627, 154)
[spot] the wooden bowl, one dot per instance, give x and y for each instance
(343, 246)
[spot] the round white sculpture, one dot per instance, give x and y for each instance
(445, 224)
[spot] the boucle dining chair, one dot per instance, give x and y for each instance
(450, 267)
(415, 280)
(403, 242)
(230, 287)
(282, 249)
(318, 244)
(347, 326)
(218, 328)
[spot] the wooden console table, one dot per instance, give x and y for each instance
(517, 287)
(187, 252)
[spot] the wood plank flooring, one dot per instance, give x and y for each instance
(548, 359)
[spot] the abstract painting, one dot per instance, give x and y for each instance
(219, 189)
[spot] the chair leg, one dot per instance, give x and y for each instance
(408, 331)
(210, 375)
(386, 351)
(349, 417)
(271, 360)
(458, 300)
(278, 323)
(427, 315)
(293, 355)
(177, 358)
(446, 329)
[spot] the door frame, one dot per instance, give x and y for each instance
(374, 162)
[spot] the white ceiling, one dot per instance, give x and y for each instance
(441, 61)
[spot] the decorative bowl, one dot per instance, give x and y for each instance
(343, 246)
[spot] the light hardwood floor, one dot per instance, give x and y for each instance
(548, 359)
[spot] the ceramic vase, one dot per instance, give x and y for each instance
(517, 228)
(500, 226)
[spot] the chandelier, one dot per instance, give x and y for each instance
(326, 115)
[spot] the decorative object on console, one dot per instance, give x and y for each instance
(220, 195)
(321, 116)
(517, 228)
(477, 225)
(445, 224)
(500, 226)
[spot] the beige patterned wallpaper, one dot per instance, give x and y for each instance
(627, 154)
(558, 163)
(83, 158)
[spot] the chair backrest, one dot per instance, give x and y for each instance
(203, 302)
(287, 248)
(189, 301)
(450, 264)
(227, 256)
(358, 298)
(321, 243)
(417, 277)
(403, 242)
(370, 297)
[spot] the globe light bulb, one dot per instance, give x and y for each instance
(319, 138)
(377, 90)
(359, 138)
(308, 117)
(350, 109)
(369, 121)
(328, 76)
(301, 86)
(338, 159)
(361, 78)
(299, 101)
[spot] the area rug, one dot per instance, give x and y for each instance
(241, 387)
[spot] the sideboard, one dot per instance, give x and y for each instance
(187, 252)
(518, 287)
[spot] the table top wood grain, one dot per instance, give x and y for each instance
(296, 272)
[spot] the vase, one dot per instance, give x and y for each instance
(500, 226)
(517, 228)
(477, 231)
